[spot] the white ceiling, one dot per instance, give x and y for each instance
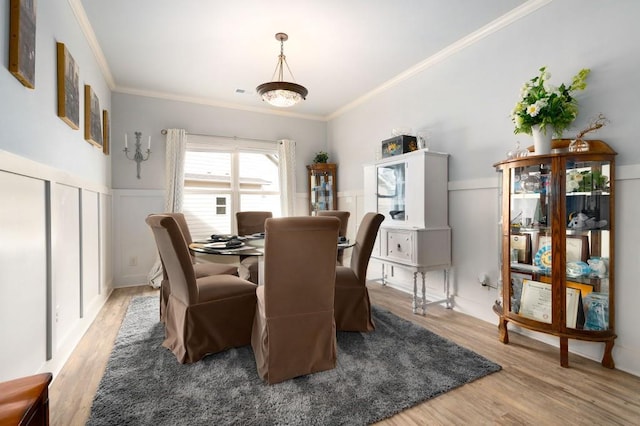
(340, 50)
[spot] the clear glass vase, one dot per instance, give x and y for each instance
(578, 145)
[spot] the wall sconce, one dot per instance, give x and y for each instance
(138, 157)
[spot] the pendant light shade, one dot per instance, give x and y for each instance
(278, 92)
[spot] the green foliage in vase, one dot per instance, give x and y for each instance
(546, 105)
(321, 157)
(585, 181)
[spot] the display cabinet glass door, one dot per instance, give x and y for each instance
(588, 243)
(391, 191)
(322, 187)
(529, 215)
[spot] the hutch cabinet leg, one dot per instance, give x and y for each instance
(607, 359)
(446, 289)
(384, 281)
(424, 294)
(503, 332)
(564, 351)
(415, 293)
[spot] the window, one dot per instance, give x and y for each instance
(221, 178)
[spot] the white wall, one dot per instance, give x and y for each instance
(55, 232)
(29, 122)
(464, 101)
(151, 115)
(134, 199)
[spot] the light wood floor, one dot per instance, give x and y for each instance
(531, 389)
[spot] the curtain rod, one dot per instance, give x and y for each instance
(164, 132)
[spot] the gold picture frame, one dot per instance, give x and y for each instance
(106, 132)
(68, 87)
(22, 41)
(92, 119)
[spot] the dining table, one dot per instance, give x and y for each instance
(244, 245)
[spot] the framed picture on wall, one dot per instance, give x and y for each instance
(106, 129)
(68, 87)
(92, 117)
(22, 41)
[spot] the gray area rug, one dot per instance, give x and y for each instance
(378, 374)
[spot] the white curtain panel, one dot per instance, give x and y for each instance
(176, 144)
(287, 172)
(174, 165)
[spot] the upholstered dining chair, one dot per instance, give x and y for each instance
(203, 315)
(249, 223)
(201, 269)
(343, 215)
(294, 328)
(352, 305)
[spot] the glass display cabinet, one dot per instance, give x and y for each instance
(557, 251)
(323, 187)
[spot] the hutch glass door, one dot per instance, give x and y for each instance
(391, 191)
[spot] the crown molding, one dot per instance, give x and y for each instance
(210, 102)
(496, 25)
(90, 36)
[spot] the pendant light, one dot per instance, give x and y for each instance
(278, 92)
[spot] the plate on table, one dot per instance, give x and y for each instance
(543, 258)
(222, 245)
(222, 238)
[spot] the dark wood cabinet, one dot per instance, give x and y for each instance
(25, 401)
(323, 187)
(557, 231)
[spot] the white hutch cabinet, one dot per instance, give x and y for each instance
(410, 190)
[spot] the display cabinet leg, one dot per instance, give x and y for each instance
(607, 359)
(564, 351)
(384, 280)
(504, 333)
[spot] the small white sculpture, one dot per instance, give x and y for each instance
(582, 221)
(598, 267)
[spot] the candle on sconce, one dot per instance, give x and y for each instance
(126, 144)
(149, 146)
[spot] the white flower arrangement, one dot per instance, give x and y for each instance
(546, 105)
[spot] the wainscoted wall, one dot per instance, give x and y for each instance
(134, 247)
(56, 270)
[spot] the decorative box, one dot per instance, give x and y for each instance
(399, 145)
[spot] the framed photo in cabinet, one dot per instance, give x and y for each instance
(22, 41)
(68, 87)
(92, 119)
(577, 246)
(535, 302)
(522, 243)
